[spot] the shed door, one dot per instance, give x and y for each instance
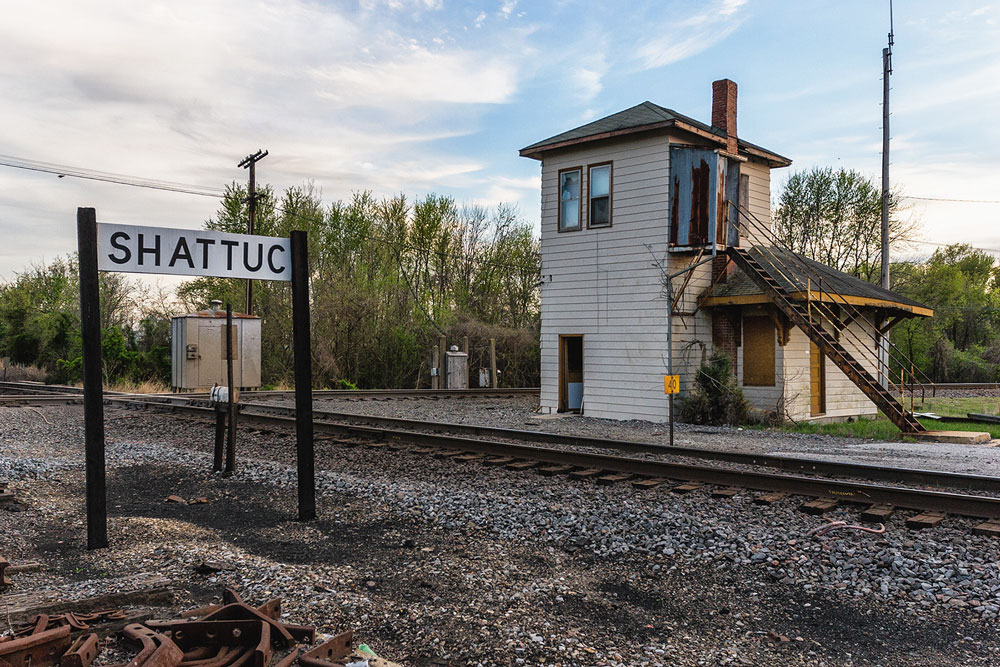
(210, 361)
(817, 381)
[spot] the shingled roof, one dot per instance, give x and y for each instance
(640, 118)
(797, 273)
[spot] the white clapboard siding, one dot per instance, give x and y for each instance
(759, 203)
(843, 397)
(604, 283)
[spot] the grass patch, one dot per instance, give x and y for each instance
(956, 407)
(883, 429)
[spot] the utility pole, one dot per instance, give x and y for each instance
(886, 71)
(250, 162)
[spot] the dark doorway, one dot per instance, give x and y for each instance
(570, 373)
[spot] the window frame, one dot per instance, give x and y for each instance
(611, 183)
(559, 202)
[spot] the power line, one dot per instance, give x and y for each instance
(962, 201)
(108, 177)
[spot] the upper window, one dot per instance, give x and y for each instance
(569, 199)
(599, 208)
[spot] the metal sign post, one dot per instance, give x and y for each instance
(138, 249)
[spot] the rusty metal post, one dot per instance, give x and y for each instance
(230, 410)
(93, 381)
(305, 458)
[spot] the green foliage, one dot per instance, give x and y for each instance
(388, 277)
(40, 325)
(347, 385)
(960, 343)
(717, 398)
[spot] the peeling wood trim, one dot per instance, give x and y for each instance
(863, 302)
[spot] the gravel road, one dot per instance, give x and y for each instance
(433, 562)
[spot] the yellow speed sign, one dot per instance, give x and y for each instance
(671, 384)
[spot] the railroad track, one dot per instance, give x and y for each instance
(616, 467)
(39, 389)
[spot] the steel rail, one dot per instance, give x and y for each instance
(38, 388)
(39, 400)
(844, 490)
(815, 466)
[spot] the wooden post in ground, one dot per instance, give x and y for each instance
(93, 379)
(302, 350)
(493, 363)
(468, 363)
(230, 408)
(435, 370)
(443, 356)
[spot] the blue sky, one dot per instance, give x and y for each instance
(419, 96)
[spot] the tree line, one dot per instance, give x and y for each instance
(388, 277)
(834, 217)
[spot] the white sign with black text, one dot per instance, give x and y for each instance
(185, 252)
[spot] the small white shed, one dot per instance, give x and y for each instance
(198, 349)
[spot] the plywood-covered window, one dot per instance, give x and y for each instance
(758, 352)
(569, 199)
(599, 205)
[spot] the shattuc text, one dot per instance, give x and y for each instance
(141, 249)
(150, 250)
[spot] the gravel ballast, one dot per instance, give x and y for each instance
(433, 560)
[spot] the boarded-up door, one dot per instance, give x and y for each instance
(817, 381)
(758, 351)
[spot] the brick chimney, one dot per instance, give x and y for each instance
(724, 111)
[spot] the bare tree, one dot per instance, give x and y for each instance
(834, 217)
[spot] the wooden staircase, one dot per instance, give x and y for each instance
(798, 315)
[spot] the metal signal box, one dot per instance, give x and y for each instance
(198, 350)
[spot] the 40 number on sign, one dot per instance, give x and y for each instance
(671, 384)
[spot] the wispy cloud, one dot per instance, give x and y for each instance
(680, 37)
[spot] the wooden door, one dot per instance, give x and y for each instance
(817, 380)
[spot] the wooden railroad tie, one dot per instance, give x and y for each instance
(687, 488)
(989, 528)
(925, 520)
(769, 498)
(819, 505)
(727, 492)
(549, 471)
(587, 473)
(877, 514)
(606, 480)
(470, 457)
(427, 450)
(499, 461)
(522, 465)
(448, 453)
(644, 484)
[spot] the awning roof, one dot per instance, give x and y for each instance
(797, 274)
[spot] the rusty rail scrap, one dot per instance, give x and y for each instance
(848, 490)
(232, 634)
